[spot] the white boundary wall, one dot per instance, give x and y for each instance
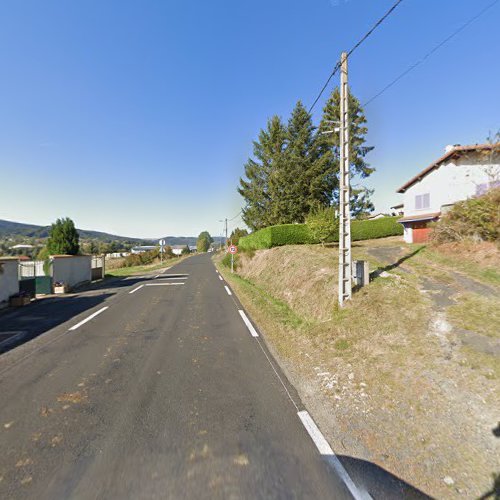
(72, 270)
(9, 281)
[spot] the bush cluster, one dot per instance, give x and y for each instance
(300, 234)
(476, 219)
(141, 259)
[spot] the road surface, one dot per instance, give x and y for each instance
(165, 392)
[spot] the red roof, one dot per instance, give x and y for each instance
(455, 152)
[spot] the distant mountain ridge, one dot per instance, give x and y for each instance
(10, 229)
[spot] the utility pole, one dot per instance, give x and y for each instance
(345, 262)
(226, 230)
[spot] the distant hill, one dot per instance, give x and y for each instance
(18, 230)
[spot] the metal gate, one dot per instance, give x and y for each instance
(35, 277)
(97, 267)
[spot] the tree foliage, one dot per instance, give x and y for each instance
(63, 238)
(236, 235)
(475, 219)
(204, 241)
(294, 169)
(322, 224)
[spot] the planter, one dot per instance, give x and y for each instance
(60, 288)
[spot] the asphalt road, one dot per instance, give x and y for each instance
(164, 394)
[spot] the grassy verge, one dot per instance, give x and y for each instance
(128, 271)
(488, 274)
(478, 314)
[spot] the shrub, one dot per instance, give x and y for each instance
(323, 224)
(140, 259)
(476, 219)
(226, 261)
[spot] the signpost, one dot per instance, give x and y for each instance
(162, 247)
(232, 250)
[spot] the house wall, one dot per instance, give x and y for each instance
(451, 182)
(408, 234)
(72, 270)
(9, 281)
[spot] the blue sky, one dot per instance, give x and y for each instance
(136, 117)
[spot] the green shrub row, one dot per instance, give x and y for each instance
(300, 234)
(275, 236)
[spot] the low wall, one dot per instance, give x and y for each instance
(72, 270)
(9, 281)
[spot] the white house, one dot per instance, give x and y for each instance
(178, 249)
(462, 172)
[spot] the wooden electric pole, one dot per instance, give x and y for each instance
(345, 262)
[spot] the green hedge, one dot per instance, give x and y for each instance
(299, 234)
(275, 236)
(376, 228)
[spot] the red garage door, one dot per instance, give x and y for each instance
(421, 232)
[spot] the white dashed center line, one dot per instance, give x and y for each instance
(78, 325)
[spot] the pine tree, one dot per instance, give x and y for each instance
(268, 153)
(290, 179)
(330, 148)
(63, 238)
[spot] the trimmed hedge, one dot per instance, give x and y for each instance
(299, 234)
(275, 236)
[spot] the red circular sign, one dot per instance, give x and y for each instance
(233, 249)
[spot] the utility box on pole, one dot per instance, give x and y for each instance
(345, 263)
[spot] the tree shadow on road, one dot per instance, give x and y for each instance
(377, 272)
(19, 326)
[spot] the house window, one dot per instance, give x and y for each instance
(422, 201)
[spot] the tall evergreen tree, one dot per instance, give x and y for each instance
(290, 180)
(267, 154)
(63, 238)
(330, 146)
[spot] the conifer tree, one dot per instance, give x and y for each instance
(63, 238)
(267, 154)
(330, 148)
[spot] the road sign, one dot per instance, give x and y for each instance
(233, 249)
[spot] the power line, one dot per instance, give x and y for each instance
(367, 34)
(432, 51)
(239, 213)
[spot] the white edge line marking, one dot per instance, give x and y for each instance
(227, 290)
(78, 325)
(220, 277)
(325, 449)
(247, 322)
(163, 284)
(135, 289)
